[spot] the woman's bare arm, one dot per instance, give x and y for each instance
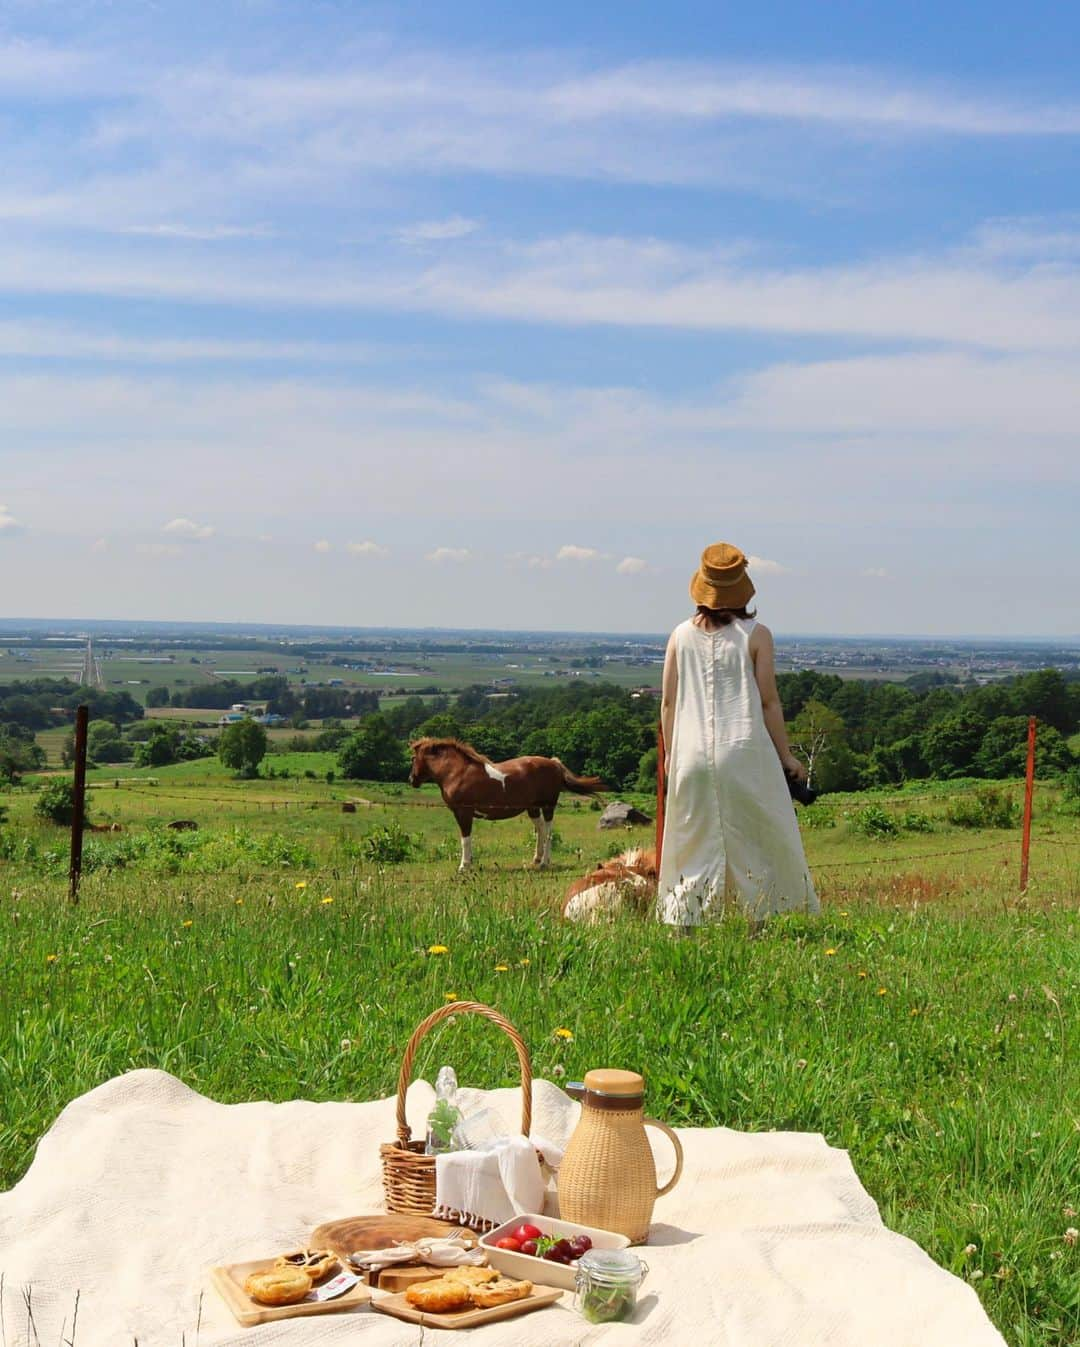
(761, 650)
(669, 692)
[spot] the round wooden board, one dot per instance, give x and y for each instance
(377, 1232)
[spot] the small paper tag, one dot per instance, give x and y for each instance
(337, 1286)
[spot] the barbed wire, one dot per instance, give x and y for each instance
(917, 856)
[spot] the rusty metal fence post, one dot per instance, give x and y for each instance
(78, 812)
(1029, 791)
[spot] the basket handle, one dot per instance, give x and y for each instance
(448, 1012)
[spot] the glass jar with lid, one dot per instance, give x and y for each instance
(607, 1285)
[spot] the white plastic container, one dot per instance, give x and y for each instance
(524, 1267)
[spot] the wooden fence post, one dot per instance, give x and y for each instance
(1029, 790)
(78, 813)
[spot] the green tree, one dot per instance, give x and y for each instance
(160, 749)
(816, 735)
(374, 753)
(19, 752)
(56, 803)
(242, 747)
(158, 696)
(104, 744)
(950, 745)
(1003, 751)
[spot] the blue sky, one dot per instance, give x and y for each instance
(463, 314)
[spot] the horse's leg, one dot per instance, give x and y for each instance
(549, 828)
(538, 824)
(465, 821)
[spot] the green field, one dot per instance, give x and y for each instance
(927, 1021)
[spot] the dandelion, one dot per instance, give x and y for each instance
(1068, 1211)
(302, 884)
(800, 1065)
(969, 1249)
(451, 996)
(438, 949)
(523, 963)
(51, 958)
(326, 900)
(976, 1274)
(239, 902)
(863, 973)
(185, 924)
(1071, 1235)
(883, 991)
(346, 1044)
(914, 1011)
(502, 968)
(830, 951)
(558, 1070)
(567, 1034)
(845, 914)
(1055, 1253)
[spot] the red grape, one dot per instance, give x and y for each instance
(527, 1231)
(529, 1246)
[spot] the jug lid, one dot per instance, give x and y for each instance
(607, 1081)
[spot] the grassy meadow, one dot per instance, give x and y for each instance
(927, 1021)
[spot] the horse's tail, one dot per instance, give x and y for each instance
(580, 785)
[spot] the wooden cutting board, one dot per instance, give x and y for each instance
(229, 1283)
(380, 1232)
(400, 1308)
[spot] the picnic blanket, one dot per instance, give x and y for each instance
(142, 1185)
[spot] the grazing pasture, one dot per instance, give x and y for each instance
(927, 1021)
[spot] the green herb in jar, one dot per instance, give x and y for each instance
(608, 1304)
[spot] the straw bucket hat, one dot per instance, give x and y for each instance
(721, 580)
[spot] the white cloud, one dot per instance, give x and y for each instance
(203, 233)
(539, 563)
(763, 566)
(436, 231)
(187, 530)
(571, 552)
(60, 340)
(443, 554)
(877, 572)
(158, 549)
(8, 523)
(631, 566)
(323, 546)
(367, 549)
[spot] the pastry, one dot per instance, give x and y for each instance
(439, 1296)
(278, 1286)
(499, 1292)
(470, 1276)
(317, 1263)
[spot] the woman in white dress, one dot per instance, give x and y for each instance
(729, 827)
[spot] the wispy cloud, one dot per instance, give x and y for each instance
(632, 566)
(323, 546)
(764, 566)
(437, 231)
(367, 549)
(187, 530)
(158, 549)
(441, 555)
(9, 525)
(572, 552)
(202, 233)
(876, 572)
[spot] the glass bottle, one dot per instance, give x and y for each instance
(445, 1114)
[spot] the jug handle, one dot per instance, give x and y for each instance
(671, 1136)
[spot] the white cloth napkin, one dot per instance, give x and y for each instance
(449, 1252)
(493, 1185)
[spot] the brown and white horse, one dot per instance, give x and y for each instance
(626, 882)
(475, 787)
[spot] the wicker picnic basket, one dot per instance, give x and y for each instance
(409, 1174)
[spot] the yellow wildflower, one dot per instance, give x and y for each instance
(451, 996)
(437, 949)
(185, 923)
(830, 951)
(302, 884)
(567, 1034)
(239, 902)
(523, 963)
(914, 1010)
(845, 914)
(326, 900)
(51, 958)
(883, 991)
(502, 968)
(863, 973)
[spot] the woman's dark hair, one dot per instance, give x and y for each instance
(720, 617)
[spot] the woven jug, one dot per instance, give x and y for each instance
(607, 1177)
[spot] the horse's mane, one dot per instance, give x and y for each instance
(466, 750)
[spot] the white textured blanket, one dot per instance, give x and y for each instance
(142, 1185)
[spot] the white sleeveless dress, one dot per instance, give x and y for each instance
(729, 823)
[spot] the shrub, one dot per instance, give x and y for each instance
(873, 821)
(56, 803)
(388, 845)
(987, 808)
(914, 821)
